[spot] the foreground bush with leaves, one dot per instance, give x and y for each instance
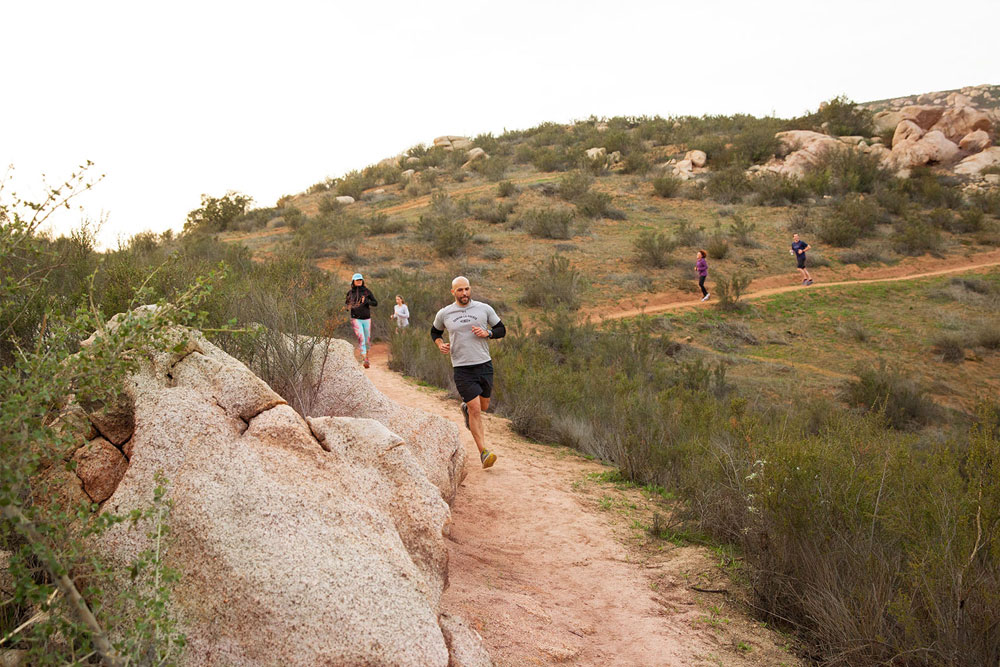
(66, 606)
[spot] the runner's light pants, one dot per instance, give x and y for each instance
(363, 330)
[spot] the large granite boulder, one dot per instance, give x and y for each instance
(300, 542)
(960, 121)
(975, 164)
(803, 150)
(344, 390)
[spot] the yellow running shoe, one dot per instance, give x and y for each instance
(488, 458)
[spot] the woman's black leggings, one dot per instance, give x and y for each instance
(701, 284)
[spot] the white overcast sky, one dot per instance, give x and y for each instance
(172, 100)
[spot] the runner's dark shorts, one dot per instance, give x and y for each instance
(475, 380)
(801, 259)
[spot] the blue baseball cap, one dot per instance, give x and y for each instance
(357, 276)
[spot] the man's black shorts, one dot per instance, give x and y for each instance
(476, 380)
(801, 259)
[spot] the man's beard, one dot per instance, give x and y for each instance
(464, 299)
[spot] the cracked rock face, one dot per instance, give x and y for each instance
(318, 542)
(344, 390)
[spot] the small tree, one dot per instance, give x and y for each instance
(217, 213)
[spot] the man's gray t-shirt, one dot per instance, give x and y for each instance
(467, 349)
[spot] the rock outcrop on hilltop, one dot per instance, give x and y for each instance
(946, 130)
(301, 541)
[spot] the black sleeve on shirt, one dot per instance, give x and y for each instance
(371, 298)
(498, 331)
(436, 333)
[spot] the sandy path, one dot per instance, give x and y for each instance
(537, 569)
(765, 287)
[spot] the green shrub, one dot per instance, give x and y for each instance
(771, 189)
(687, 234)
(548, 223)
(379, 223)
(635, 163)
(742, 232)
(488, 143)
(494, 168)
(987, 202)
(730, 291)
(864, 257)
(968, 221)
(915, 236)
(554, 282)
(842, 171)
(667, 185)
(893, 199)
(549, 159)
(728, 186)
(491, 212)
(217, 213)
(987, 335)
(653, 248)
(950, 346)
(506, 189)
(352, 184)
(449, 238)
(574, 185)
(839, 117)
(595, 204)
(854, 331)
(330, 205)
(931, 190)
(895, 397)
(717, 247)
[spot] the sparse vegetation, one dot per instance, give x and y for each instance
(653, 248)
(548, 223)
(554, 282)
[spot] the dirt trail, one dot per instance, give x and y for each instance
(536, 566)
(660, 303)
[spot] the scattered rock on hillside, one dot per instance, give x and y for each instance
(596, 153)
(100, 467)
(474, 155)
(924, 115)
(450, 143)
(804, 150)
(697, 158)
(974, 164)
(958, 122)
(885, 121)
(344, 199)
(407, 174)
(975, 142)
(907, 130)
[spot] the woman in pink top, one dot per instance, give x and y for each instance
(701, 266)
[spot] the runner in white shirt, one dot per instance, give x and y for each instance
(401, 313)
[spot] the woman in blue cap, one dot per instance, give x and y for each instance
(359, 299)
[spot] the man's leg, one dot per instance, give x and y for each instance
(475, 408)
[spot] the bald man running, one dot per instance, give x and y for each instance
(470, 325)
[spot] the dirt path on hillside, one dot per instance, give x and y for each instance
(779, 284)
(547, 577)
